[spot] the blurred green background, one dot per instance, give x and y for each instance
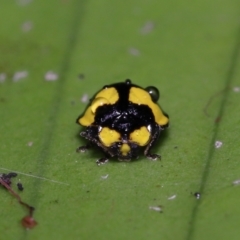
(55, 53)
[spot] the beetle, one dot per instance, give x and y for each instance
(121, 119)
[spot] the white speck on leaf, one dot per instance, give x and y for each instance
(134, 51)
(218, 144)
(85, 98)
(27, 26)
(236, 182)
(51, 76)
(147, 27)
(30, 144)
(236, 89)
(156, 208)
(104, 177)
(3, 77)
(172, 197)
(19, 75)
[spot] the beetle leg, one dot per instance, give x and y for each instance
(102, 161)
(153, 156)
(93, 141)
(83, 149)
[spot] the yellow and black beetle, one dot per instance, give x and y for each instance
(121, 118)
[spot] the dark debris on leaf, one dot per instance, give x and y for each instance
(28, 222)
(5, 180)
(197, 195)
(20, 186)
(81, 76)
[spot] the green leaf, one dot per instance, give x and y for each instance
(189, 50)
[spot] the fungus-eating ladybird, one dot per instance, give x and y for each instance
(122, 118)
